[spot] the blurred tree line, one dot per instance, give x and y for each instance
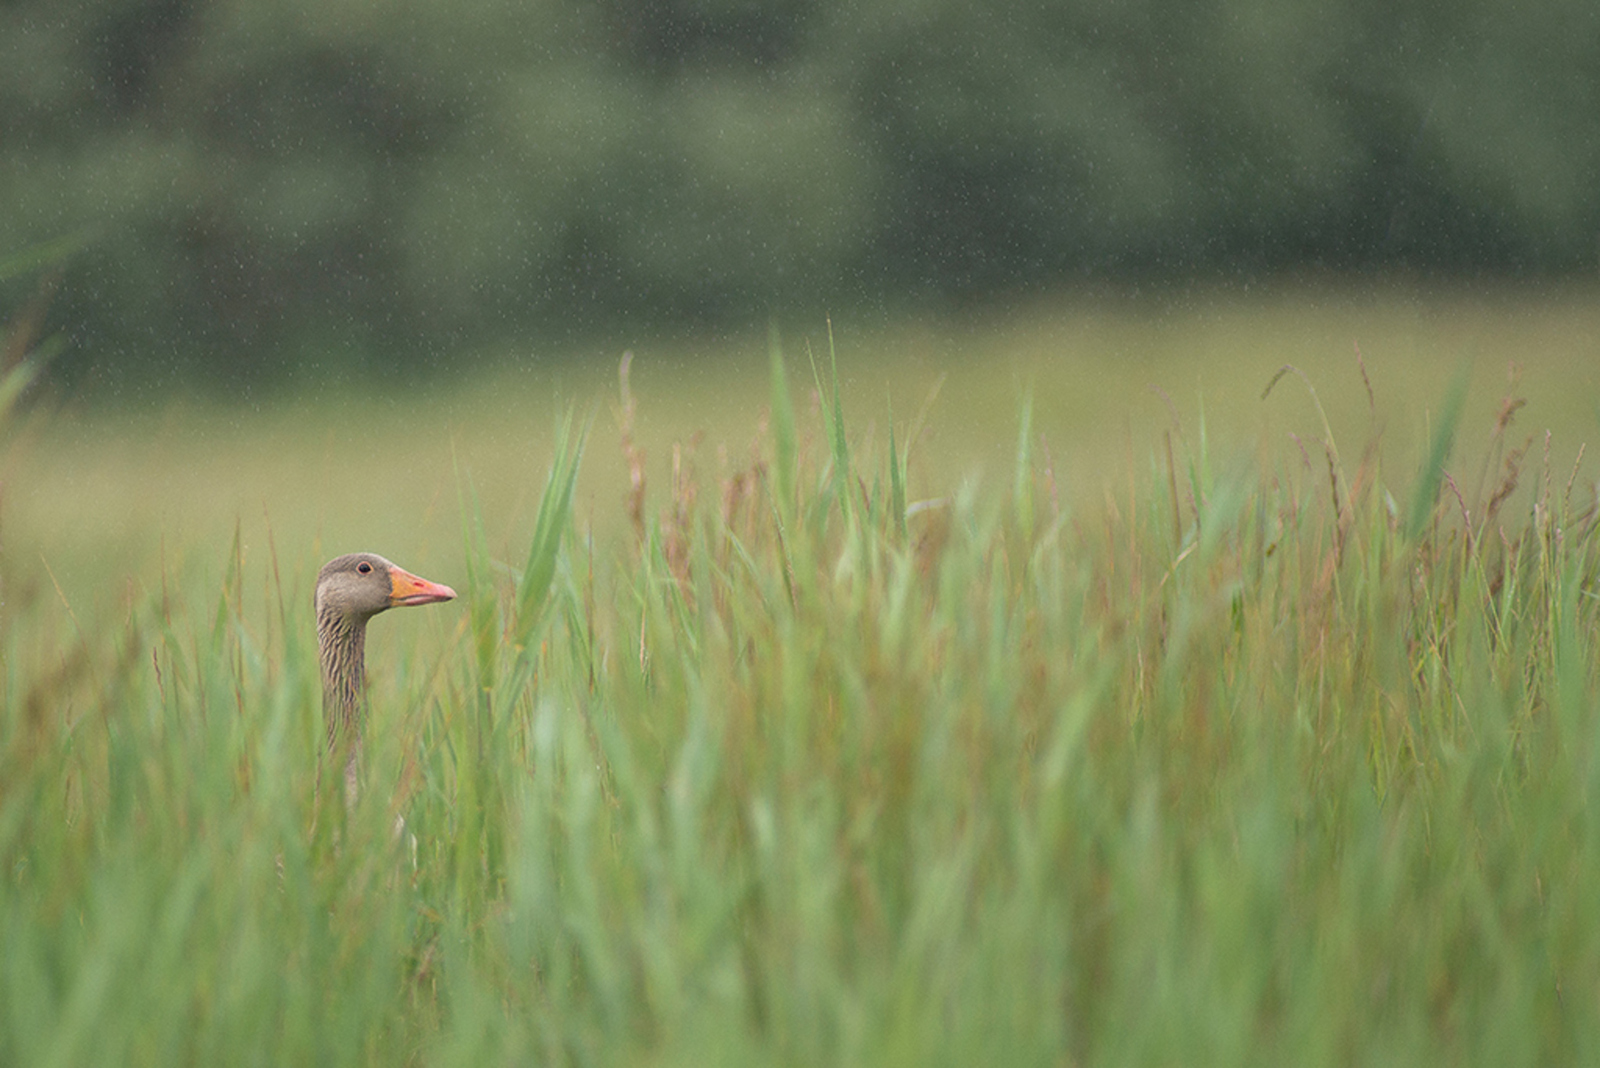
(264, 181)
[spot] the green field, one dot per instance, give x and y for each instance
(1032, 692)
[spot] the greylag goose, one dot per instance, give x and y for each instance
(352, 589)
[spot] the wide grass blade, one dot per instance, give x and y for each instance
(1425, 496)
(833, 423)
(785, 439)
(897, 487)
(555, 515)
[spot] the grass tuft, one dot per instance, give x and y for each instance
(1248, 766)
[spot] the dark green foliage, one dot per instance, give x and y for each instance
(308, 187)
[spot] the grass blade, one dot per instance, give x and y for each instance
(555, 514)
(1426, 494)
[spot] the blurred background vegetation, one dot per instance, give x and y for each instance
(269, 190)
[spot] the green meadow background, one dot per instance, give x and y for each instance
(1022, 689)
(381, 460)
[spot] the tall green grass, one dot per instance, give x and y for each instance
(1252, 765)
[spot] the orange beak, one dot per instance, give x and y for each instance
(407, 589)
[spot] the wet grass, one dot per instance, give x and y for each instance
(1274, 755)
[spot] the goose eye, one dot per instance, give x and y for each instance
(364, 567)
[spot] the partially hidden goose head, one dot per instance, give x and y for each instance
(352, 589)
